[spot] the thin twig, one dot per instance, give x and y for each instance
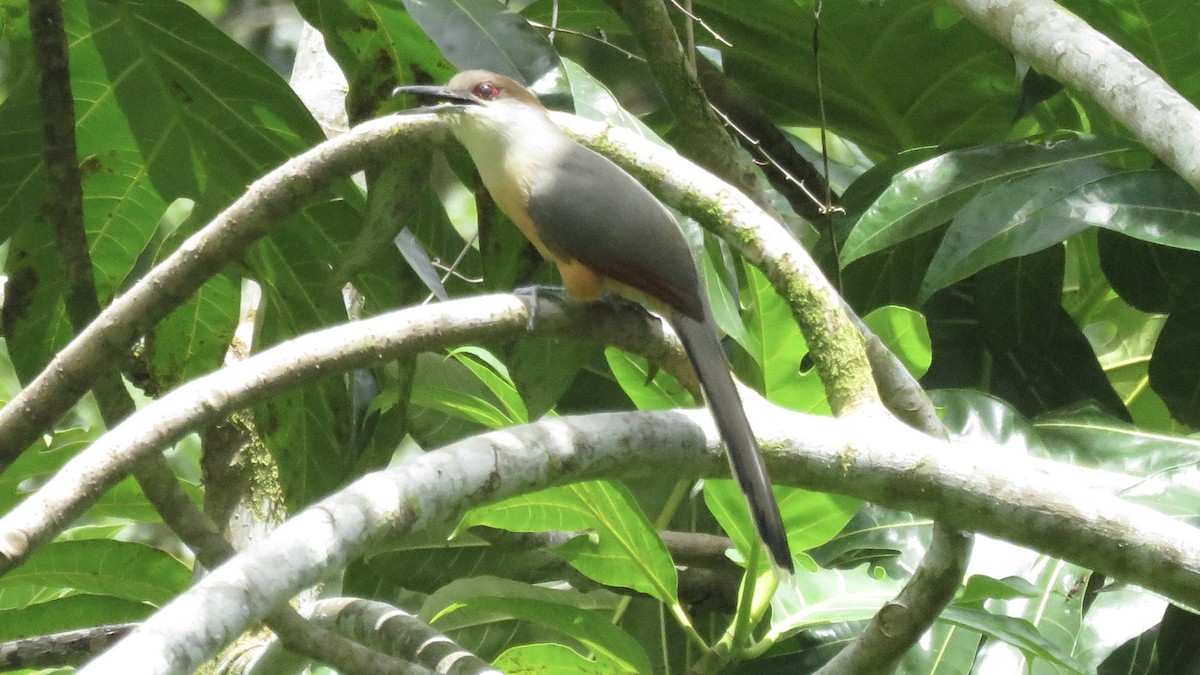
(688, 12)
(602, 38)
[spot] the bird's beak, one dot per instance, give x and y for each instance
(439, 94)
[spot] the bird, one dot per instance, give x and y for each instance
(606, 233)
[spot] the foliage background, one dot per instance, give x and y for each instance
(1010, 241)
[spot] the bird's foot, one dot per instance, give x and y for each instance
(620, 303)
(534, 292)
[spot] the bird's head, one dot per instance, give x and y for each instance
(481, 104)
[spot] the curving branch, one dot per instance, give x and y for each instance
(837, 347)
(154, 475)
(334, 350)
(394, 631)
(77, 367)
(1035, 503)
(699, 132)
(1063, 46)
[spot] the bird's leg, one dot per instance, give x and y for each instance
(533, 291)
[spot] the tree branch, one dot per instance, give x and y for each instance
(396, 632)
(330, 351)
(1034, 503)
(270, 199)
(1063, 46)
(699, 132)
(837, 347)
(69, 648)
(154, 475)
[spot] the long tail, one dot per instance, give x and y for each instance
(712, 368)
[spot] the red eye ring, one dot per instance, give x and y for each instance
(486, 91)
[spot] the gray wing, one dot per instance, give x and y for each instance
(592, 211)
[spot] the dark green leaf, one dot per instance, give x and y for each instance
(559, 611)
(104, 567)
(933, 192)
(485, 34)
(1174, 369)
(1018, 218)
(965, 89)
(1017, 298)
(1150, 277)
(70, 613)
(1176, 646)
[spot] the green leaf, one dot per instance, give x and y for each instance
(894, 541)
(70, 613)
(931, 193)
(494, 375)
(1017, 298)
(556, 610)
(104, 567)
(1150, 277)
(809, 518)
(964, 90)
(460, 404)
(485, 34)
(1017, 218)
(1155, 206)
(660, 392)
(193, 339)
(1027, 215)
(548, 659)
(621, 547)
(1174, 370)
(905, 334)
(778, 346)
(1017, 632)
(823, 597)
(544, 370)
(980, 588)
(594, 101)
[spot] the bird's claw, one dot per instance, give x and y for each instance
(533, 292)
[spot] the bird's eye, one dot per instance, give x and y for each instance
(486, 91)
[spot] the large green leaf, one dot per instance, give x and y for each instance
(70, 613)
(621, 548)
(895, 74)
(931, 193)
(1159, 32)
(1150, 277)
(1017, 298)
(485, 34)
(829, 596)
(1174, 370)
(1017, 632)
(561, 612)
(1032, 213)
(809, 518)
(778, 346)
(648, 388)
(104, 567)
